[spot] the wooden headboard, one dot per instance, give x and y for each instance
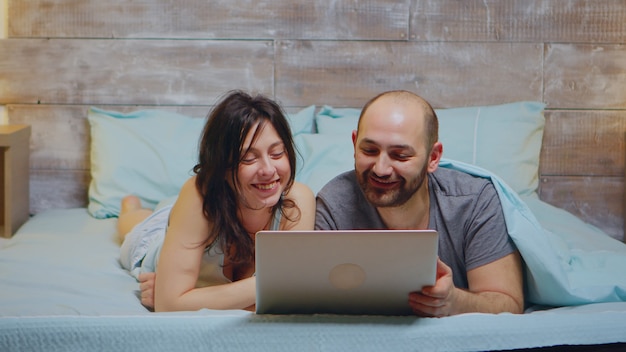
(62, 56)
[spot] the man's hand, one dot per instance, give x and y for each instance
(493, 288)
(146, 284)
(437, 300)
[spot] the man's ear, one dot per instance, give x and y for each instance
(354, 133)
(435, 156)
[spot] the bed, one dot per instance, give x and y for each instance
(62, 287)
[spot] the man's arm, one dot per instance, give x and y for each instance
(497, 286)
(493, 288)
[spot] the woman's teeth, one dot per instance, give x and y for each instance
(266, 186)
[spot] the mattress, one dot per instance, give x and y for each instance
(62, 288)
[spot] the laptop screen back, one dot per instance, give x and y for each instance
(342, 272)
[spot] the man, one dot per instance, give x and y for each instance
(397, 184)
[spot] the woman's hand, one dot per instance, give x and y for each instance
(146, 284)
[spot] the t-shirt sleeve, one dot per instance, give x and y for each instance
(323, 215)
(487, 238)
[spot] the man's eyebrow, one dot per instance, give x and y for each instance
(394, 146)
(367, 140)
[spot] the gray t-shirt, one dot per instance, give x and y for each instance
(464, 209)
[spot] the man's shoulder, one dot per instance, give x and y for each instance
(457, 183)
(341, 204)
(345, 182)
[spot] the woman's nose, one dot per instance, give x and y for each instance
(266, 167)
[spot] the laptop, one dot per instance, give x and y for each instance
(367, 272)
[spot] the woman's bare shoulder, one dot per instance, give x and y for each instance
(300, 192)
(303, 218)
(187, 216)
(189, 185)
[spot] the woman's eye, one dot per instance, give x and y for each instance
(278, 154)
(248, 159)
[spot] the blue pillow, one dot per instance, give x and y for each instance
(322, 157)
(341, 121)
(302, 121)
(148, 153)
(504, 139)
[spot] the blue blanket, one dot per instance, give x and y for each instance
(567, 261)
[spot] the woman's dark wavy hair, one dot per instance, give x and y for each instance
(221, 152)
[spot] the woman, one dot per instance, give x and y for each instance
(204, 242)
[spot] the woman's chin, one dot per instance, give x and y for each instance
(265, 202)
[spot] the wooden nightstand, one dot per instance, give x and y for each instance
(14, 177)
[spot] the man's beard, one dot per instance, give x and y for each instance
(395, 197)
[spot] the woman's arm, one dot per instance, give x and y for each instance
(181, 256)
(180, 259)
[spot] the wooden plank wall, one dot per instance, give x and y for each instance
(62, 56)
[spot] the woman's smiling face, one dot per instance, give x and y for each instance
(264, 170)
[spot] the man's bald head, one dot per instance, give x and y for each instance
(402, 97)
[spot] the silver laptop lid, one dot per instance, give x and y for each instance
(342, 272)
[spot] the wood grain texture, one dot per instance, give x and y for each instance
(571, 21)
(321, 19)
(58, 189)
(150, 72)
(581, 76)
(583, 143)
(475, 20)
(447, 74)
(60, 136)
(432, 20)
(596, 200)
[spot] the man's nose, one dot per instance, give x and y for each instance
(382, 167)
